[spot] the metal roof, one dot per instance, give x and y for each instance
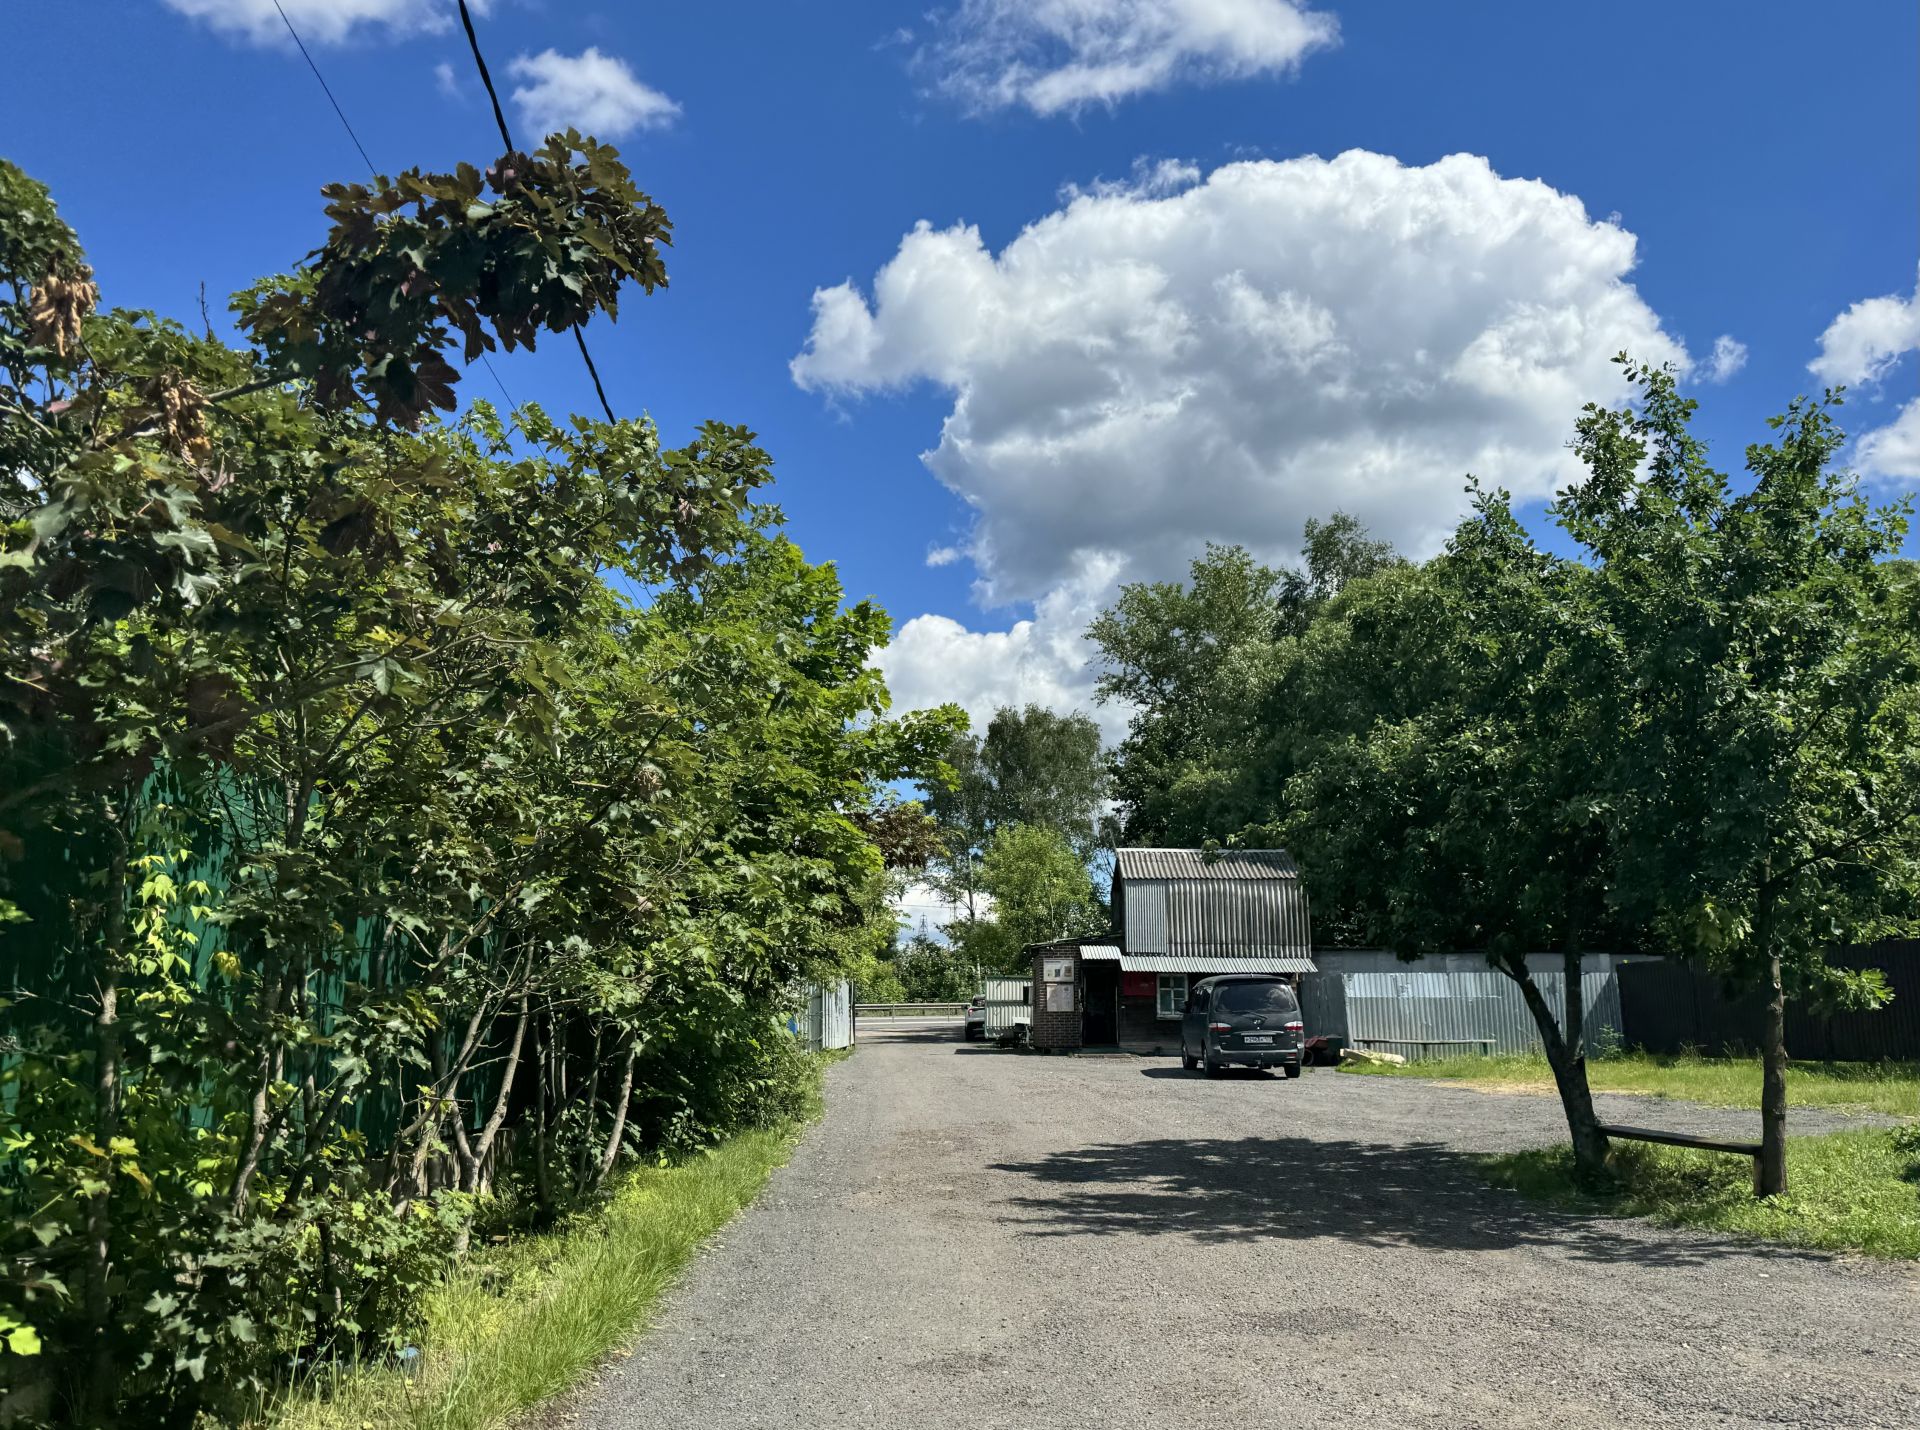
(1099, 951)
(1216, 963)
(1205, 864)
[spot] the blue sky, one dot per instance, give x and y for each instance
(1185, 352)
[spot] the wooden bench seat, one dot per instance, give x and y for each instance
(1686, 1139)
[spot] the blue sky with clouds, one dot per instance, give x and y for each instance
(1030, 298)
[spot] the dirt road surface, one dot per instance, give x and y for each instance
(976, 1238)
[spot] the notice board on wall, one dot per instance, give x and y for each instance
(1060, 997)
(1056, 970)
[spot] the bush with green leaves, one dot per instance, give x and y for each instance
(363, 846)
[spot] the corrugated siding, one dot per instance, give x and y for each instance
(1236, 916)
(1146, 916)
(1009, 1001)
(829, 1018)
(1422, 1012)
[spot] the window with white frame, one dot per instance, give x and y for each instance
(1173, 995)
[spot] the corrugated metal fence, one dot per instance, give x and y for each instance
(828, 1019)
(1668, 1007)
(1447, 1007)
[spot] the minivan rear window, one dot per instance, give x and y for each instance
(1255, 998)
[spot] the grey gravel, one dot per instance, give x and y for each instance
(977, 1238)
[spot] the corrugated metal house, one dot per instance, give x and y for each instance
(1180, 915)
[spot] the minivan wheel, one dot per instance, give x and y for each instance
(1187, 1059)
(1214, 1069)
(1292, 1069)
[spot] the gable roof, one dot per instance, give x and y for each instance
(1205, 864)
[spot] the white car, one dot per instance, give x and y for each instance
(976, 1018)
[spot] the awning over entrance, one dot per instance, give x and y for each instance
(1214, 963)
(1196, 962)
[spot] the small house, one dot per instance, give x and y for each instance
(1179, 915)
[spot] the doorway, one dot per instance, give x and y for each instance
(1100, 1023)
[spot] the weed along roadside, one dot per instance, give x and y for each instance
(528, 1319)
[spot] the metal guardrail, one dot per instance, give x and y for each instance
(908, 1010)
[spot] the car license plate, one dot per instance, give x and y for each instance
(1259, 1037)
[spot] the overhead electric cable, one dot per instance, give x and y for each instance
(348, 126)
(506, 136)
(328, 89)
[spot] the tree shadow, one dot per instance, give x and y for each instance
(1422, 1196)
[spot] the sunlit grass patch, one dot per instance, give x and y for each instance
(530, 1318)
(1888, 1087)
(1848, 1191)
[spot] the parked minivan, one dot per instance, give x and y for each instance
(1249, 1019)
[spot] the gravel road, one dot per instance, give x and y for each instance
(976, 1238)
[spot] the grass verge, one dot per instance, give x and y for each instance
(1849, 1191)
(526, 1320)
(1889, 1087)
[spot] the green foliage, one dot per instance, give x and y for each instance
(932, 972)
(1032, 766)
(1762, 663)
(1041, 890)
(364, 856)
(539, 241)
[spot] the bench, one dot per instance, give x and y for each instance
(1683, 1139)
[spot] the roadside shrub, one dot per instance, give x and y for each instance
(728, 1066)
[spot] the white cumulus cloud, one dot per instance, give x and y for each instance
(1729, 355)
(1862, 348)
(1150, 368)
(1042, 661)
(1054, 56)
(1138, 373)
(323, 22)
(595, 93)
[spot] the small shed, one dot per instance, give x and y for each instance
(1180, 915)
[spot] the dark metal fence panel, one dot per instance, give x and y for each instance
(1669, 1007)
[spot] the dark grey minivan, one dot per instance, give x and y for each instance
(1252, 1019)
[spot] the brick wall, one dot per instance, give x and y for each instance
(1050, 1029)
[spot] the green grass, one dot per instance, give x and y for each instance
(527, 1320)
(1888, 1087)
(1849, 1191)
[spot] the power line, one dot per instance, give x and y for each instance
(500, 118)
(371, 169)
(324, 86)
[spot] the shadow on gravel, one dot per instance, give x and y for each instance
(1422, 1196)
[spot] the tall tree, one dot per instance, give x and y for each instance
(1040, 889)
(1196, 660)
(1031, 767)
(1439, 762)
(1763, 661)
